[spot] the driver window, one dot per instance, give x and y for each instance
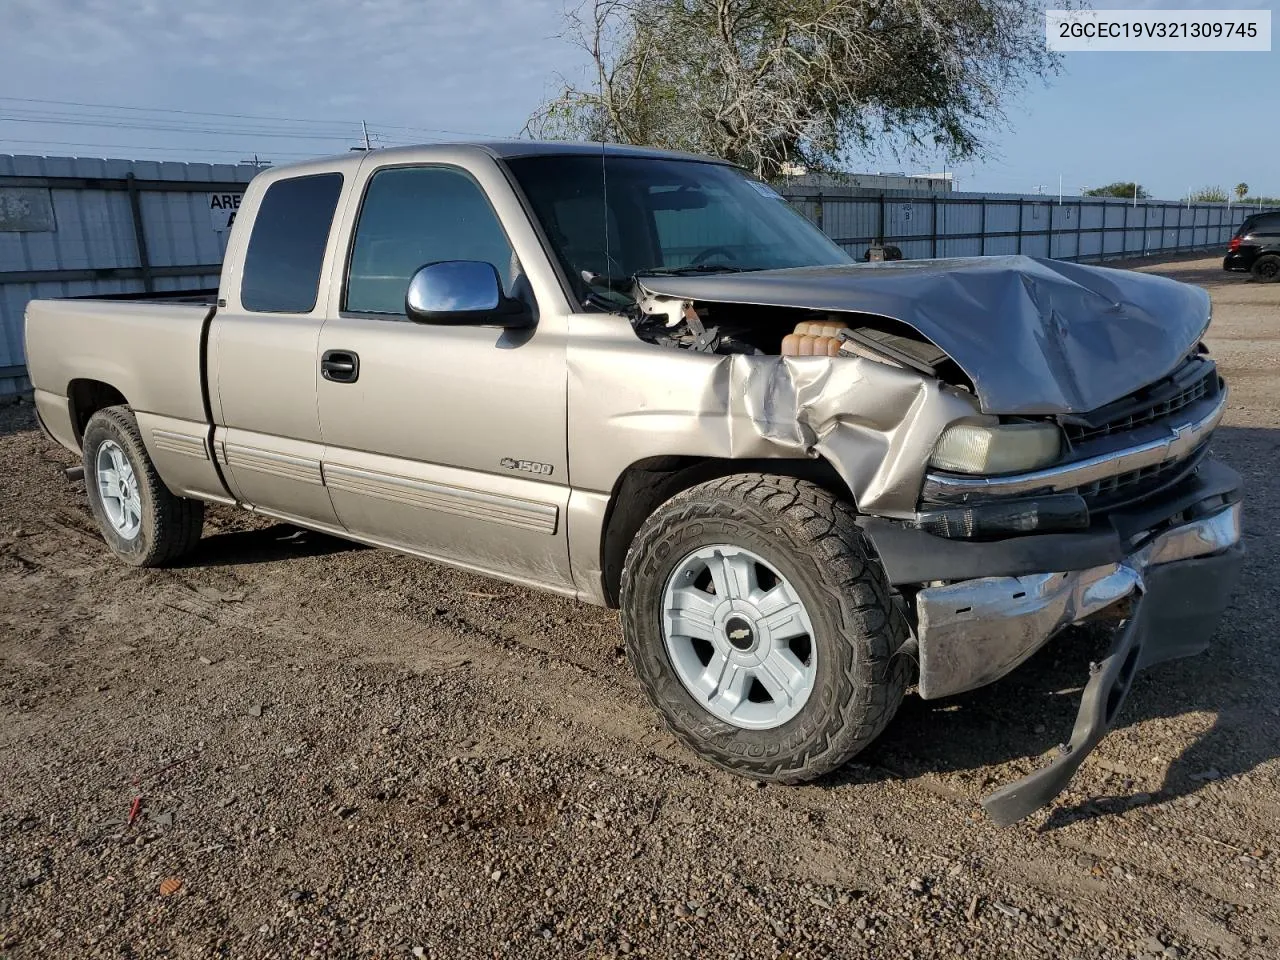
(417, 215)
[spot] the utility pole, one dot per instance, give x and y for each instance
(1135, 194)
(257, 162)
(1059, 189)
(365, 127)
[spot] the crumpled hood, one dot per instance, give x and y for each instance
(1035, 336)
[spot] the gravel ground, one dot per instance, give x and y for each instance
(295, 747)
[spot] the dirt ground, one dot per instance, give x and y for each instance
(343, 752)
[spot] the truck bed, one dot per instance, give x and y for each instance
(150, 351)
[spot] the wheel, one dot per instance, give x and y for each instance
(143, 523)
(1266, 269)
(762, 628)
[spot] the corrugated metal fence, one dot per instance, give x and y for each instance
(975, 224)
(79, 226)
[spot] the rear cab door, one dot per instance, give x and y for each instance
(446, 441)
(263, 360)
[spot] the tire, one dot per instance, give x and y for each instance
(1266, 269)
(156, 528)
(809, 540)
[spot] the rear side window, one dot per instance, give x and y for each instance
(1264, 223)
(286, 248)
(413, 216)
(1268, 223)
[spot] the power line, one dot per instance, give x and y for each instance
(44, 116)
(151, 147)
(170, 128)
(238, 116)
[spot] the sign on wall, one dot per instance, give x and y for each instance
(26, 210)
(223, 208)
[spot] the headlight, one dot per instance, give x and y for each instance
(998, 448)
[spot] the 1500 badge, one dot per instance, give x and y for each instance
(528, 466)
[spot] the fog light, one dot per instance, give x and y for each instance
(1066, 511)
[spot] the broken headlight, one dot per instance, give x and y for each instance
(997, 448)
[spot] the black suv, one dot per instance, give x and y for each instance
(1256, 247)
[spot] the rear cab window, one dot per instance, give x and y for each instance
(286, 249)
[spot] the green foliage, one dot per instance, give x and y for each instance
(1209, 195)
(1120, 188)
(770, 82)
(1241, 191)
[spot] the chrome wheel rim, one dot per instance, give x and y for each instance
(739, 637)
(118, 490)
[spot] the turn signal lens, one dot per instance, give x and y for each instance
(1000, 448)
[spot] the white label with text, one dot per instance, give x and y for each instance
(1117, 31)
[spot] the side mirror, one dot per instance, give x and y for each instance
(463, 293)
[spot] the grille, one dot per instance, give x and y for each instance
(1192, 382)
(1123, 488)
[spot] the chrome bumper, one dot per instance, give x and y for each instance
(976, 631)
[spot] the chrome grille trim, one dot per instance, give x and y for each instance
(1161, 401)
(1180, 442)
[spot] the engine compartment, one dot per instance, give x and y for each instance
(758, 330)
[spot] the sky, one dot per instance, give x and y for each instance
(420, 70)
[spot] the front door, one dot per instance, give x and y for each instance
(447, 441)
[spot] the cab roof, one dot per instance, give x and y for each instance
(499, 149)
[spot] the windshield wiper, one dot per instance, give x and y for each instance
(603, 289)
(698, 268)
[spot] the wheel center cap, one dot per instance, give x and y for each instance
(740, 632)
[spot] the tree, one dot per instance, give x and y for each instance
(1209, 195)
(1242, 191)
(766, 83)
(1121, 188)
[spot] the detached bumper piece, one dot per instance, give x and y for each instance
(1174, 616)
(1176, 585)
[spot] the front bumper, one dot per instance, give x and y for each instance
(976, 631)
(1175, 582)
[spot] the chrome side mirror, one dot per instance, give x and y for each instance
(463, 293)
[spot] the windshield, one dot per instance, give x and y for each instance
(662, 216)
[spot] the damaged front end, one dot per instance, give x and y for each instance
(1107, 508)
(1166, 596)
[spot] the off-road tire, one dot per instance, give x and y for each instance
(813, 541)
(171, 525)
(1266, 269)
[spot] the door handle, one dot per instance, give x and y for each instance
(340, 366)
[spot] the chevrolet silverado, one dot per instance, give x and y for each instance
(641, 379)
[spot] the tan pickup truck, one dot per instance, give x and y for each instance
(641, 379)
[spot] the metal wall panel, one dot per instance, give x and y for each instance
(970, 224)
(93, 229)
(1002, 217)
